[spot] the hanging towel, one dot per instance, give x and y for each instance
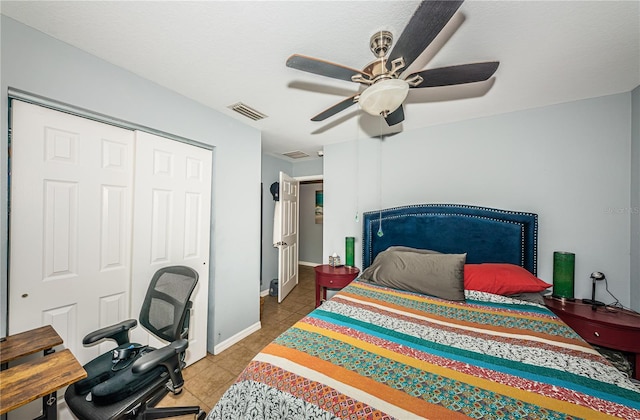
(277, 231)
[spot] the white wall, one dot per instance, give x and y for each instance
(41, 65)
(568, 163)
(635, 200)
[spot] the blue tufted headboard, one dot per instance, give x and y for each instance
(485, 234)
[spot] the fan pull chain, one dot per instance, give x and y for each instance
(357, 170)
(380, 232)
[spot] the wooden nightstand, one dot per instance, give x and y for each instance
(619, 330)
(333, 278)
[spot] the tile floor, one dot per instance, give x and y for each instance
(207, 379)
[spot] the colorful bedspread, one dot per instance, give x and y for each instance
(375, 353)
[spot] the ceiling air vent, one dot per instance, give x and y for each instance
(296, 154)
(247, 111)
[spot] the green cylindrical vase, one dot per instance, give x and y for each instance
(564, 264)
(349, 245)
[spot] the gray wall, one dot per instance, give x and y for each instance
(568, 163)
(310, 240)
(39, 64)
(635, 199)
(311, 167)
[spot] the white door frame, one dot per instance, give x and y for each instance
(309, 178)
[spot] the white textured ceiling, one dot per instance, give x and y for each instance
(222, 52)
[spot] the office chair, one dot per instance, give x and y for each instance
(127, 382)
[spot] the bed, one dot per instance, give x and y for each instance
(383, 348)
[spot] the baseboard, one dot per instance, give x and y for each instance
(264, 293)
(236, 338)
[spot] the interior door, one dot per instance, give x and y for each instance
(288, 247)
(172, 225)
(69, 176)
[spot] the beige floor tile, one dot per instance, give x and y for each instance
(209, 381)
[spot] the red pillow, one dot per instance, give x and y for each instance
(501, 279)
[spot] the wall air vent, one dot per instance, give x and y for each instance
(247, 111)
(296, 154)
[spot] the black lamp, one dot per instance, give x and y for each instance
(595, 276)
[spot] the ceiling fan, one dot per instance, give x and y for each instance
(385, 89)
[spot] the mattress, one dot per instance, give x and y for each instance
(373, 352)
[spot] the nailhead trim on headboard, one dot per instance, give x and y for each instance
(528, 223)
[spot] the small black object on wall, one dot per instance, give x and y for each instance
(275, 191)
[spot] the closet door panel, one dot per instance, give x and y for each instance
(70, 223)
(172, 225)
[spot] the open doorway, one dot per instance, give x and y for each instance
(311, 222)
(269, 262)
(309, 243)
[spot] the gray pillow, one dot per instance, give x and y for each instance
(529, 297)
(409, 249)
(435, 274)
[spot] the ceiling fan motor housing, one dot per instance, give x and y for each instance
(380, 43)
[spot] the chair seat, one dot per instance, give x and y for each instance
(110, 383)
(101, 369)
(118, 410)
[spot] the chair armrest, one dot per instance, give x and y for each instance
(118, 332)
(167, 356)
(157, 357)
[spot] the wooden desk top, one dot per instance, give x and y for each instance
(28, 342)
(34, 379)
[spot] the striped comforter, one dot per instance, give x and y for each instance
(372, 353)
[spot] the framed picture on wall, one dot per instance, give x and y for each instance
(319, 206)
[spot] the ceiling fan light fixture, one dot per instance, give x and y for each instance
(384, 97)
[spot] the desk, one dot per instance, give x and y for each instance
(37, 378)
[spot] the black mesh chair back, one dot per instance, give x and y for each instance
(129, 381)
(163, 310)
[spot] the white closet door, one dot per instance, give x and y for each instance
(172, 225)
(70, 229)
(70, 224)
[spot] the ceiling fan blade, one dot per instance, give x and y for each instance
(323, 68)
(456, 75)
(395, 117)
(340, 106)
(425, 24)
